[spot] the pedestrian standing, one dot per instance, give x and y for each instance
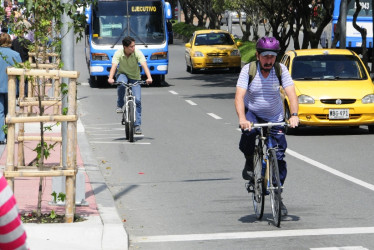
(8, 58)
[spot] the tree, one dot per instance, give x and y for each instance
(45, 19)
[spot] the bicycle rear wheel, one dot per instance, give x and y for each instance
(275, 187)
(258, 196)
(130, 122)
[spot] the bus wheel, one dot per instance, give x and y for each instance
(93, 82)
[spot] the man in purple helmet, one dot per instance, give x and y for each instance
(260, 102)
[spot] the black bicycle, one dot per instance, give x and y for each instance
(266, 173)
(128, 110)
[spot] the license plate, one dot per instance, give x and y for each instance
(338, 114)
(217, 60)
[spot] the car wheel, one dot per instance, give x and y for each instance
(193, 71)
(188, 68)
(371, 129)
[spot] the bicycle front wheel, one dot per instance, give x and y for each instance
(258, 195)
(275, 187)
(131, 121)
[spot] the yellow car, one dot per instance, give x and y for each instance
(212, 49)
(333, 87)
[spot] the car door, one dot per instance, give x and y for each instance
(188, 50)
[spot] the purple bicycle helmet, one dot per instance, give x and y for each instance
(268, 44)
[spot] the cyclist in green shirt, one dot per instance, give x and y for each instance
(127, 60)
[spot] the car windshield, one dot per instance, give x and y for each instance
(213, 39)
(328, 67)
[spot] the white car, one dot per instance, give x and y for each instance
(234, 17)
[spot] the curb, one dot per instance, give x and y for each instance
(114, 235)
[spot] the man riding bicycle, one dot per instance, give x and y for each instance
(258, 100)
(128, 71)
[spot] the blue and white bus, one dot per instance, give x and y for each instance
(364, 20)
(109, 21)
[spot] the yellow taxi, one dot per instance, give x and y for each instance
(212, 49)
(333, 86)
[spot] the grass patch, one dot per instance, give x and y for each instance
(248, 51)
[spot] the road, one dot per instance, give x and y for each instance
(179, 185)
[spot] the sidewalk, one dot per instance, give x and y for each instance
(102, 229)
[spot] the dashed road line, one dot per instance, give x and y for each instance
(191, 102)
(254, 235)
(173, 92)
(214, 116)
(330, 170)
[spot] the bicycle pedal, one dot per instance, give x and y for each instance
(250, 187)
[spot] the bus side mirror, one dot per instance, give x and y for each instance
(168, 14)
(87, 12)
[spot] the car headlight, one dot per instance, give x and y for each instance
(198, 54)
(235, 52)
(368, 99)
(304, 99)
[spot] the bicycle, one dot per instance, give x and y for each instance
(265, 166)
(128, 110)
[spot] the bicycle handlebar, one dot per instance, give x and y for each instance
(132, 84)
(269, 124)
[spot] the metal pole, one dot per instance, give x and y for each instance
(230, 24)
(67, 57)
(179, 11)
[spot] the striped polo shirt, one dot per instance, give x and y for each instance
(263, 97)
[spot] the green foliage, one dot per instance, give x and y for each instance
(185, 29)
(60, 197)
(248, 51)
(5, 129)
(46, 150)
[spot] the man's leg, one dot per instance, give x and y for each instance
(2, 115)
(247, 146)
(137, 92)
(121, 92)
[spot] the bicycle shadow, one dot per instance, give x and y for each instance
(268, 217)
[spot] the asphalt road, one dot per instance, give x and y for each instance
(179, 185)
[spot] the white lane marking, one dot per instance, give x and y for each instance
(214, 116)
(191, 102)
(341, 248)
(252, 235)
(120, 142)
(101, 124)
(85, 84)
(330, 170)
(173, 92)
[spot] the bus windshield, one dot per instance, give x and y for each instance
(113, 20)
(366, 9)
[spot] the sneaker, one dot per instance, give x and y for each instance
(247, 175)
(138, 130)
(284, 211)
(119, 110)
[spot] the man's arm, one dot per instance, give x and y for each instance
(112, 72)
(294, 105)
(240, 110)
(147, 72)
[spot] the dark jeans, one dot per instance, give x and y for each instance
(248, 139)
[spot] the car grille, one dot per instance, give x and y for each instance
(326, 116)
(343, 101)
(217, 54)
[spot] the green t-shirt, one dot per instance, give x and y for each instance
(129, 65)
